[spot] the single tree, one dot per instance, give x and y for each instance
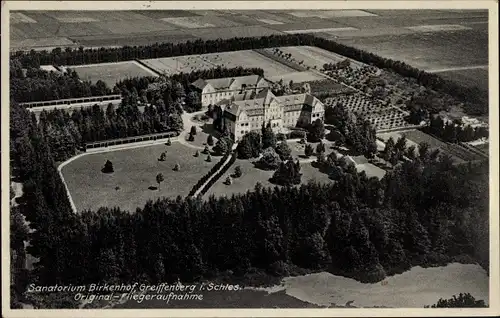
(287, 174)
(108, 167)
(270, 160)
(284, 151)
(229, 181)
(308, 150)
(193, 130)
(237, 172)
(206, 150)
(249, 146)
(316, 131)
(163, 156)
(268, 137)
(210, 140)
(169, 142)
(209, 158)
(320, 148)
(197, 153)
(191, 137)
(159, 179)
(177, 167)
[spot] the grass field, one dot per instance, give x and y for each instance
(252, 175)
(135, 171)
(245, 58)
(111, 73)
(99, 40)
(471, 77)
(428, 51)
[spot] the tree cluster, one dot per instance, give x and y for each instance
(355, 133)
(287, 174)
(455, 132)
(39, 85)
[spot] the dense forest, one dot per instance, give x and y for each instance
(475, 102)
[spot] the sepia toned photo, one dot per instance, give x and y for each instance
(196, 157)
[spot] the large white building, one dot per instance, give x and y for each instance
(213, 91)
(242, 113)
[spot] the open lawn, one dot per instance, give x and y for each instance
(135, 171)
(252, 175)
(111, 73)
(190, 63)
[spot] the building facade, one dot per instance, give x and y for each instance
(213, 91)
(245, 112)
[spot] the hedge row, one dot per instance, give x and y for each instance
(219, 174)
(210, 173)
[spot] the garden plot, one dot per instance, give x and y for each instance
(314, 57)
(296, 77)
(245, 58)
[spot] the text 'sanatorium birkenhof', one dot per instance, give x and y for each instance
(136, 292)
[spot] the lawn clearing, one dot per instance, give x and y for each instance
(470, 78)
(111, 73)
(371, 170)
(252, 175)
(201, 22)
(135, 171)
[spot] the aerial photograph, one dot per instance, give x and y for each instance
(249, 159)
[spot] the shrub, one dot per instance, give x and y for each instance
(193, 130)
(270, 159)
(287, 174)
(284, 151)
(210, 140)
(163, 156)
(108, 167)
(191, 137)
(228, 181)
(206, 150)
(197, 153)
(320, 148)
(308, 151)
(316, 131)
(237, 172)
(249, 146)
(169, 142)
(177, 167)
(209, 158)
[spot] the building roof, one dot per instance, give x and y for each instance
(254, 105)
